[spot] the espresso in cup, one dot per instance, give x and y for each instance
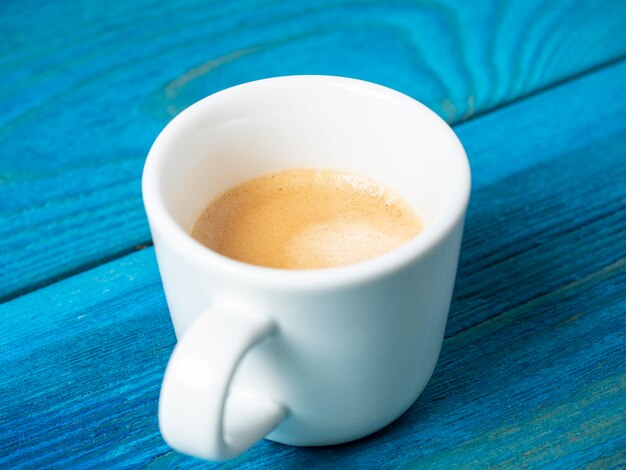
(302, 357)
(306, 219)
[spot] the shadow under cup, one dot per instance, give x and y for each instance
(356, 344)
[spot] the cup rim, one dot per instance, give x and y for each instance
(397, 258)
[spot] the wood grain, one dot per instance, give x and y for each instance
(85, 88)
(532, 371)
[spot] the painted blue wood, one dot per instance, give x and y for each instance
(532, 370)
(86, 86)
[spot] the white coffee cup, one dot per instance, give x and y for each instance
(308, 357)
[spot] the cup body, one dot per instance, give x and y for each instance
(355, 345)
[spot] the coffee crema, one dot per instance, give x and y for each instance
(306, 219)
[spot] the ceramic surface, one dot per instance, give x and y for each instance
(312, 357)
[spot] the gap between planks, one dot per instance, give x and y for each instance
(75, 272)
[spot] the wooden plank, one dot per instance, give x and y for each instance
(506, 392)
(532, 370)
(84, 95)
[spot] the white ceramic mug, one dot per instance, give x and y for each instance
(310, 357)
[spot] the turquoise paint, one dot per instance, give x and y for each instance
(532, 371)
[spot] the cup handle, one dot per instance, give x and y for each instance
(194, 402)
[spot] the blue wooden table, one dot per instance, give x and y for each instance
(533, 367)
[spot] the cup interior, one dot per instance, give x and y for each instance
(308, 122)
